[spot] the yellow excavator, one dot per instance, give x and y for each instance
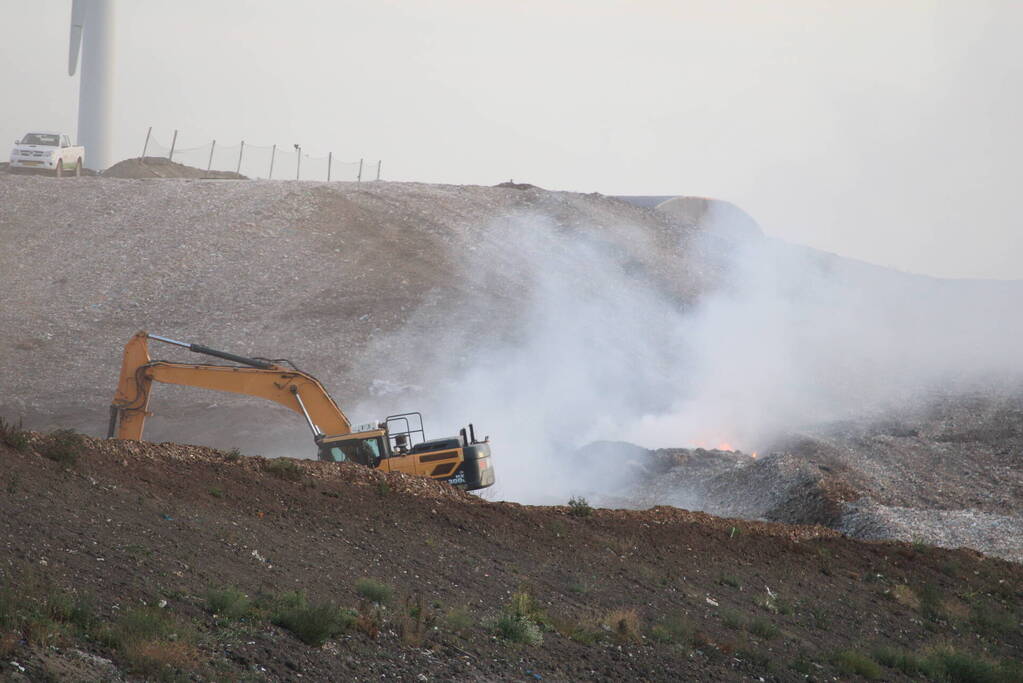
(396, 444)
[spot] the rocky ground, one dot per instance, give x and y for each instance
(127, 561)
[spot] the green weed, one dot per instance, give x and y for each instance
(762, 628)
(906, 662)
(993, 622)
(374, 591)
(730, 581)
(931, 605)
(674, 629)
(521, 620)
(312, 624)
(14, 435)
(858, 664)
(579, 507)
(949, 664)
(458, 620)
(518, 629)
(283, 468)
(732, 619)
(63, 446)
(229, 603)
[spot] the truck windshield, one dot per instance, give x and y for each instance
(41, 139)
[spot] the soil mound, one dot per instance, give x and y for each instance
(160, 167)
(127, 560)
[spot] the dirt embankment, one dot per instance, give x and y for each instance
(470, 590)
(160, 167)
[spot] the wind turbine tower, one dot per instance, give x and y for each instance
(92, 31)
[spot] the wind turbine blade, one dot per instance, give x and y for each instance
(77, 21)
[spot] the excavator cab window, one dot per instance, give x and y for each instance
(362, 451)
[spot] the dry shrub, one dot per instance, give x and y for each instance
(904, 595)
(416, 622)
(153, 641)
(624, 623)
(153, 657)
(621, 545)
(8, 643)
(582, 631)
(43, 632)
(369, 619)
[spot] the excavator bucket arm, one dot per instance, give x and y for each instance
(291, 388)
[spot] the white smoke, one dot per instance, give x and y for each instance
(565, 341)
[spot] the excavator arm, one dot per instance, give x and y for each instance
(291, 388)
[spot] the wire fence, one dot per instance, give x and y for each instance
(281, 162)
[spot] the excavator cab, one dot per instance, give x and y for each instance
(398, 444)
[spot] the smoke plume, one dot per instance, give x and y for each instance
(567, 339)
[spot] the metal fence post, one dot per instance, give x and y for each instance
(359, 179)
(273, 153)
(298, 163)
(146, 146)
(240, 151)
(378, 168)
(170, 157)
(330, 159)
(210, 164)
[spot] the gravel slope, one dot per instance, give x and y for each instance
(387, 290)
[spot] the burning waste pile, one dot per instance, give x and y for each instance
(800, 357)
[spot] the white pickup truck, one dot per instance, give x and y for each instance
(49, 152)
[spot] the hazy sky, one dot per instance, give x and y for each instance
(885, 130)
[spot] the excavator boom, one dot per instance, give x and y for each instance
(291, 388)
